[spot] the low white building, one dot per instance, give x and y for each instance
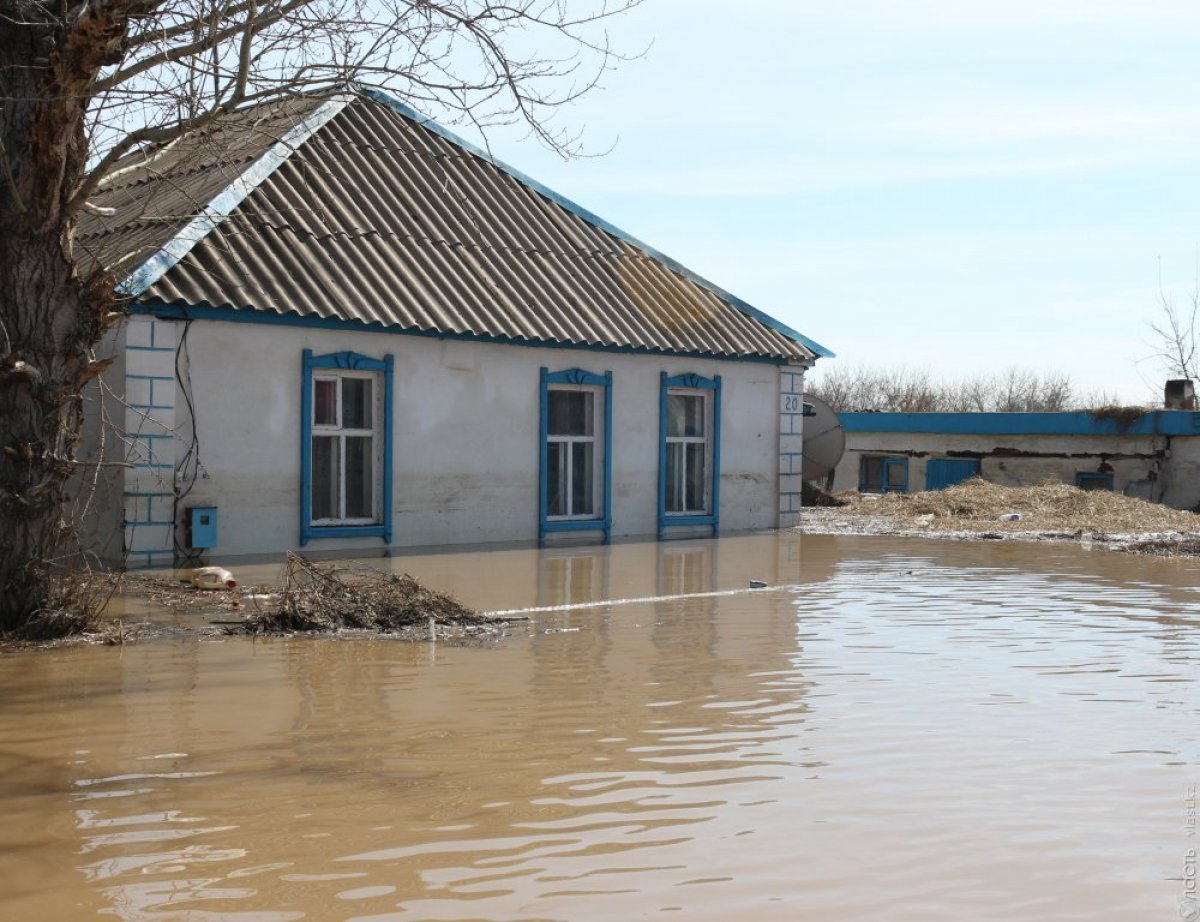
(349, 329)
(1152, 454)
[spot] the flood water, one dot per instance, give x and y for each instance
(893, 730)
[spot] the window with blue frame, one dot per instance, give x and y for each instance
(689, 451)
(689, 454)
(882, 474)
(1094, 480)
(576, 452)
(346, 446)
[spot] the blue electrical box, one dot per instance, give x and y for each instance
(203, 527)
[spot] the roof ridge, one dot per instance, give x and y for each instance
(224, 202)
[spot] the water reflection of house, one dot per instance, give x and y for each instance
(688, 569)
(1154, 455)
(352, 329)
(572, 576)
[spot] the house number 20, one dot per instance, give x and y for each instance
(791, 404)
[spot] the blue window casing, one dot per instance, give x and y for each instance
(576, 376)
(343, 361)
(713, 517)
(1094, 480)
(883, 474)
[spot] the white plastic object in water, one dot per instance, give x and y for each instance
(213, 578)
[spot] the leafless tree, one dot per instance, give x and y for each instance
(1175, 336)
(85, 82)
(896, 389)
(906, 390)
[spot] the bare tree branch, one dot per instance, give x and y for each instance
(1175, 332)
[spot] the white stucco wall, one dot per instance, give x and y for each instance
(1179, 484)
(465, 435)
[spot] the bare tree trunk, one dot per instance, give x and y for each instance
(49, 318)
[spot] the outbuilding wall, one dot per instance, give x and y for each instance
(466, 434)
(1157, 459)
(1007, 460)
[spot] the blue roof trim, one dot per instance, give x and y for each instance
(1153, 422)
(181, 311)
(425, 122)
(225, 201)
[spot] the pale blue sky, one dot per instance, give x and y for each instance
(939, 183)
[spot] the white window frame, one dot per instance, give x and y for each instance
(706, 440)
(596, 439)
(375, 433)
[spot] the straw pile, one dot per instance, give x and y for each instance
(977, 505)
(320, 598)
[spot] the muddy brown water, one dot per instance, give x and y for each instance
(894, 730)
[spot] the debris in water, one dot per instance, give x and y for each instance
(328, 598)
(1168, 546)
(213, 578)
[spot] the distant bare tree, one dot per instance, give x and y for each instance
(83, 83)
(897, 389)
(1174, 331)
(1019, 390)
(904, 390)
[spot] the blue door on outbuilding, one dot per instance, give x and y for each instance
(946, 472)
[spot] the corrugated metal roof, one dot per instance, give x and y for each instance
(377, 215)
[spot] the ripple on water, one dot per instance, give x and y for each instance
(902, 730)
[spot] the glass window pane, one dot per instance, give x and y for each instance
(674, 488)
(556, 478)
(325, 477)
(570, 412)
(872, 474)
(685, 415)
(695, 477)
(582, 484)
(895, 474)
(324, 402)
(356, 403)
(676, 411)
(695, 419)
(360, 480)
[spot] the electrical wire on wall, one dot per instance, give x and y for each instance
(187, 468)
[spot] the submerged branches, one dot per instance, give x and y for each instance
(317, 598)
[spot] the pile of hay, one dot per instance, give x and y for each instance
(325, 598)
(977, 505)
